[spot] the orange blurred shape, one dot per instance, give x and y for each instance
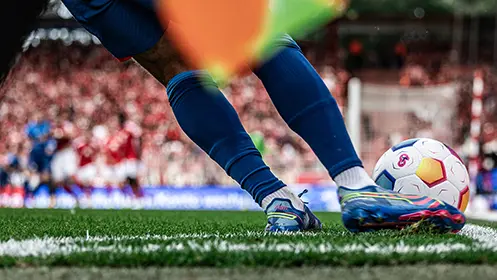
(218, 35)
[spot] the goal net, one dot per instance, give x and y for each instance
(379, 116)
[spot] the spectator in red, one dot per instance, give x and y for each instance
(128, 168)
(87, 153)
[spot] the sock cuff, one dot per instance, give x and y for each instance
(284, 193)
(354, 178)
(264, 189)
(275, 46)
(329, 99)
(345, 165)
(185, 81)
(240, 142)
(286, 41)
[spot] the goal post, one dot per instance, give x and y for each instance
(353, 117)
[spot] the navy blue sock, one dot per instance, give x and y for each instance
(207, 117)
(305, 103)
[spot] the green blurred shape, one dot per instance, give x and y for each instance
(299, 17)
(296, 18)
(259, 142)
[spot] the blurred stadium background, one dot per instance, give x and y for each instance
(399, 69)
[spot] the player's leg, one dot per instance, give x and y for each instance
(305, 103)
(119, 174)
(132, 177)
(84, 178)
(70, 168)
(41, 178)
(40, 175)
(121, 170)
(46, 180)
(59, 166)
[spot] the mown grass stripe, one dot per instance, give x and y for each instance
(43, 247)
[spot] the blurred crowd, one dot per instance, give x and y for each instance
(81, 96)
(106, 123)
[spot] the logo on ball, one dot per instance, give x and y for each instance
(403, 159)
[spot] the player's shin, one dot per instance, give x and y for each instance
(135, 187)
(51, 189)
(207, 117)
(306, 105)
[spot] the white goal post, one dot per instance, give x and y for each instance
(353, 117)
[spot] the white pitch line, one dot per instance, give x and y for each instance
(47, 246)
(43, 247)
(485, 239)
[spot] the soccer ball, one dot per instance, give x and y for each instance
(424, 167)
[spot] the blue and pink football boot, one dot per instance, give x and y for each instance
(374, 208)
(282, 216)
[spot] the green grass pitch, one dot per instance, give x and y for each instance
(222, 241)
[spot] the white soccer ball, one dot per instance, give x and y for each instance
(424, 167)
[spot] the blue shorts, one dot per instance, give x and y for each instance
(40, 156)
(39, 162)
(125, 27)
